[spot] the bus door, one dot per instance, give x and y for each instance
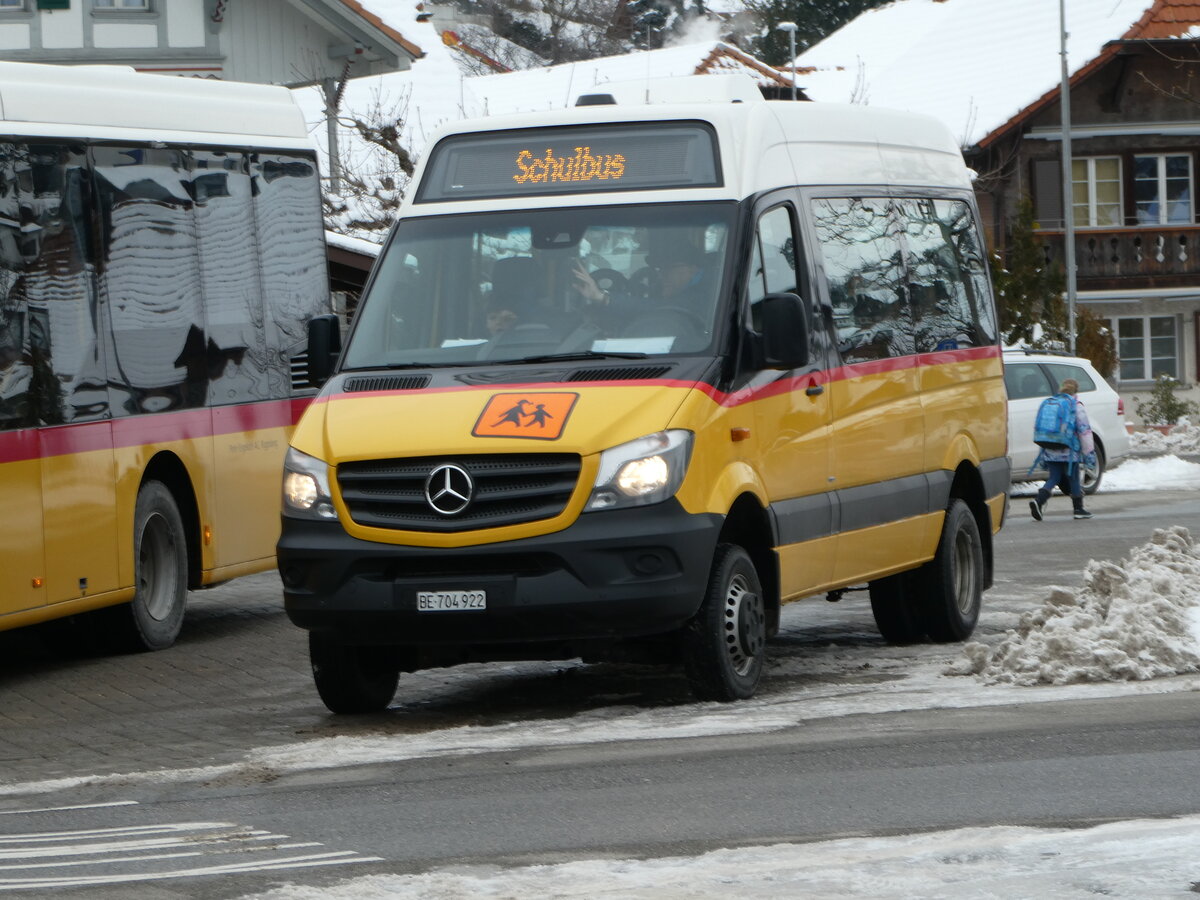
(879, 426)
(792, 418)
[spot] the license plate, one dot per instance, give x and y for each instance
(451, 601)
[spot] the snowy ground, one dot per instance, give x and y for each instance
(1124, 626)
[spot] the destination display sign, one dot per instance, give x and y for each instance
(571, 160)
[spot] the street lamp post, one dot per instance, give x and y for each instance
(790, 28)
(1068, 192)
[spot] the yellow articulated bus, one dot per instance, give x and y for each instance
(156, 282)
(630, 376)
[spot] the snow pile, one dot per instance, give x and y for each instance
(1162, 473)
(1182, 439)
(1129, 622)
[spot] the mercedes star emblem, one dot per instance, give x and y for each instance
(449, 489)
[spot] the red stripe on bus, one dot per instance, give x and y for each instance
(747, 394)
(159, 428)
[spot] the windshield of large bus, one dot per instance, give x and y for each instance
(477, 289)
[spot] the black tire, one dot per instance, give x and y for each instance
(153, 619)
(1090, 482)
(724, 646)
(896, 605)
(951, 584)
(352, 678)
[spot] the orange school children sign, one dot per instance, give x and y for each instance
(541, 416)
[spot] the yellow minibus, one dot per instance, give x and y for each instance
(628, 377)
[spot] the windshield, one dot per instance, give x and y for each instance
(477, 288)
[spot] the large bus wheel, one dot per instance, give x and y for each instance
(952, 582)
(152, 620)
(351, 678)
(724, 646)
(895, 603)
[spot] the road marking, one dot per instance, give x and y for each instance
(50, 809)
(135, 853)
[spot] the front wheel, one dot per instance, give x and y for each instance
(724, 646)
(352, 678)
(951, 584)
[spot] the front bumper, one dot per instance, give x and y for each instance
(611, 575)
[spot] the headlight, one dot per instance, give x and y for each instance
(648, 470)
(306, 487)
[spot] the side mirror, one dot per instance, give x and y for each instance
(784, 331)
(324, 346)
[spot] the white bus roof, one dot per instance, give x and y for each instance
(762, 144)
(118, 103)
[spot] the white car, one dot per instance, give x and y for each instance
(1030, 379)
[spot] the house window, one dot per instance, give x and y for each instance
(1162, 189)
(12, 6)
(121, 5)
(1148, 347)
(1096, 191)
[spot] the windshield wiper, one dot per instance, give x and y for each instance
(573, 355)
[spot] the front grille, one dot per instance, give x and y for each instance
(509, 489)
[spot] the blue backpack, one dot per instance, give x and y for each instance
(1054, 427)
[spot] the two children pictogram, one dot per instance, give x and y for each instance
(538, 416)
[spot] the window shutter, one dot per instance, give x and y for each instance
(53, 4)
(1048, 193)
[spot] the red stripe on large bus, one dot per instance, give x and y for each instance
(134, 431)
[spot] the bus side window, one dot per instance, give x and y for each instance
(49, 355)
(946, 276)
(860, 249)
(773, 265)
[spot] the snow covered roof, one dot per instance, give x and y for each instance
(976, 64)
(556, 87)
(382, 26)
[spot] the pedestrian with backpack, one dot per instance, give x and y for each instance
(1062, 430)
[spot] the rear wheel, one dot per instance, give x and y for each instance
(724, 646)
(951, 584)
(352, 678)
(153, 619)
(1090, 478)
(895, 603)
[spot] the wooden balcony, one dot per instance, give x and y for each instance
(1113, 258)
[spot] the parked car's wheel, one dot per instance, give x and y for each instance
(1091, 478)
(352, 678)
(724, 646)
(951, 587)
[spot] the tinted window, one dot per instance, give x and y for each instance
(291, 247)
(947, 279)
(1059, 372)
(151, 276)
(235, 349)
(1024, 380)
(859, 245)
(49, 338)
